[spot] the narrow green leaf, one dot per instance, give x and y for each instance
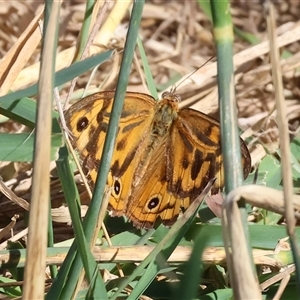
(61, 76)
(19, 147)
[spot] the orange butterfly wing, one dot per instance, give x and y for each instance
(163, 157)
(181, 166)
(88, 120)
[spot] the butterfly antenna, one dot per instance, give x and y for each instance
(173, 89)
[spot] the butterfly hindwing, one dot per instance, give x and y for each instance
(195, 154)
(150, 199)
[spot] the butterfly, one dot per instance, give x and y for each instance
(163, 157)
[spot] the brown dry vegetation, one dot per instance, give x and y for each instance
(177, 36)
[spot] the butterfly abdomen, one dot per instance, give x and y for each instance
(165, 113)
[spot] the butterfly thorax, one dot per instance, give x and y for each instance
(166, 112)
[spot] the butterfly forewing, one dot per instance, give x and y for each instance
(88, 120)
(133, 133)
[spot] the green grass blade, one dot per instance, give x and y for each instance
(230, 141)
(95, 205)
(80, 249)
(91, 217)
(231, 147)
(24, 111)
(189, 284)
(19, 147)
(146, 67)
(85, 29)
(61, 76)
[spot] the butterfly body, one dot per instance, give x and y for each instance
(163, 157)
